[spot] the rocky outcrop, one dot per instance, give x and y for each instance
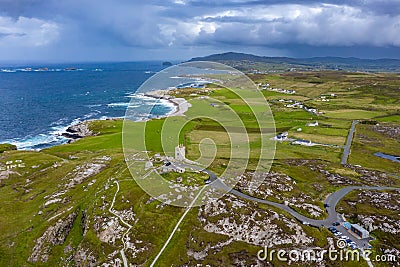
(78, 131)
(381, 222)
(6, 174)
(360, 176)
(390, 131)
(275, 185)
(54, 235)
(381, 200)
(201, 255)
(110, 230)
(387, 201)
(85, 222)
(85, 258)
(86, 170)
(245, 221)
(334, 178)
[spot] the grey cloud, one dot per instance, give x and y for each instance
(318, 25)
(26, 8)
(207, 25)
(2, 34)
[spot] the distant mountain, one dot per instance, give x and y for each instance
(351, 63)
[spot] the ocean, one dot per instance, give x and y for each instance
(39, 102)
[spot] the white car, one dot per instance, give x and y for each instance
(338, 234)
(345, 237)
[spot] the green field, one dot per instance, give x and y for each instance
(40, 176)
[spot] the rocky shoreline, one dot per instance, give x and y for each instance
(81, 130)
(78, 131)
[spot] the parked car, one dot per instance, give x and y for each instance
(335, 223)
(332, 229)
(338, 233)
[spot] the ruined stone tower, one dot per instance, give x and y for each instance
(180, 153)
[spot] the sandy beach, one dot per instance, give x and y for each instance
(80, 130)
(181, 105)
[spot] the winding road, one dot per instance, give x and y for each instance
(122, 251)
(331, 201)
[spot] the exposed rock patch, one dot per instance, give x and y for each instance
(54, 235)
(84, 258)
(244, 221)
(6, 174)
(88, 169)
(390, 131)
(275, 185)
(381, 200)
(78, 131)
(381, 222)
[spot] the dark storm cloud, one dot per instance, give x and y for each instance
(86, 27)
(27, 8)
(381, 7)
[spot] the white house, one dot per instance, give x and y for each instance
(303, 142)
(281, 137)
(313, 124)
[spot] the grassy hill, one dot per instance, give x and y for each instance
(252, 62)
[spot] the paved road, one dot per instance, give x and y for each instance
(347, 147)
(333, 216)
(332, 200)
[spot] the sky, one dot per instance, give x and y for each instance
(125, 30)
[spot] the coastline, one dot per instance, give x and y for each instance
(81, 130)
(181, 104)
(78, 130)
